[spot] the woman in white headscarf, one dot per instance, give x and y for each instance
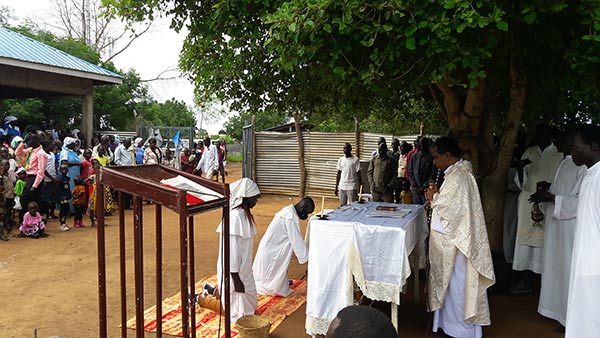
(243, 296)
(69, 157)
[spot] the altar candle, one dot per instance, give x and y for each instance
(360, 193)
(322, 205)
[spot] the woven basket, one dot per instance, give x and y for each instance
(253, 327)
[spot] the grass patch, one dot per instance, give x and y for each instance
(235, 158)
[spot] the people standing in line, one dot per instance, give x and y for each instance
(460, 259)
(209, 162)
(152, 154)
(583, 309)
(348, 178)
(420, 170)
(560, 220)
(539, 162)
(382, 175)
(282, 237)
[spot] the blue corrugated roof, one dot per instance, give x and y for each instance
(16, 46)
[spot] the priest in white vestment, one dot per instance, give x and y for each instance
(583, 309)
(459, 251)
(559, 231)
(275, 249)
(541, 162)
(243, 296)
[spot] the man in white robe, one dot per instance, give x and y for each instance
(459, 251)
(583, 309)
(559, 232)
(275, 249)
(243, 296)
(209, 162)
(541, 161)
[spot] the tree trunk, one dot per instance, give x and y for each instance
(493, 186)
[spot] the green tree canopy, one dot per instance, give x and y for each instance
(488, 66)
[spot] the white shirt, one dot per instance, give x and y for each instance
(349, 166)
(122, 155)
(209, 160)
(275, 251)
(50, 167)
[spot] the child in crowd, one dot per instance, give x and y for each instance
(33, 225)
(79, 202)
(19, 186)
(64, 196)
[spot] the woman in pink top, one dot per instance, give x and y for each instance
(152, 154)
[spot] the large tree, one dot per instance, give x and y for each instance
(488, 65)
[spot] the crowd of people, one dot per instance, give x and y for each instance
(48, 171)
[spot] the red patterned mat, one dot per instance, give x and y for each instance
(276, 309)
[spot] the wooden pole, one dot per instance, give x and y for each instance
(300, 155)
(356, 137)
(254, 154)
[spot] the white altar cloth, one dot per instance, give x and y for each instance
(354, 243)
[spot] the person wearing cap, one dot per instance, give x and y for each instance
(10, 126)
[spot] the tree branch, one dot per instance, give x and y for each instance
(130, 42)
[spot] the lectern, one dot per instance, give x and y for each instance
(147, 183)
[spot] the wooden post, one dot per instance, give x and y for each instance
(300, 155)
(87, 118)
(422, 129)
(254, 154)
(356, 138)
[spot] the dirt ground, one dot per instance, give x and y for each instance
(51, 284)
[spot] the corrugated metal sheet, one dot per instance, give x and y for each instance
(278, 170)
(322, 151)
(277, 167)
(19, 47)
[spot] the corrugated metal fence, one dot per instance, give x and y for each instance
(277, 164)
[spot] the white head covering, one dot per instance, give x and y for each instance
(117, 139)
(240, 189)
(137, 141)
(68, 141)
(75, 132)
(10, 119)
(15, 141)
